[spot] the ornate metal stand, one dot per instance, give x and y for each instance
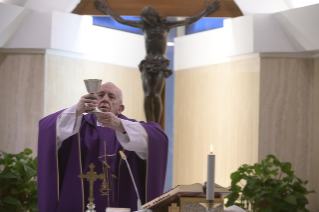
(91, 208)
(197, 204)
(91, 176)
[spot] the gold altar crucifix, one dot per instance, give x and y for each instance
(91, 176)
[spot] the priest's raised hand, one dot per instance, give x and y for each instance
(87, 102)
(69, 141)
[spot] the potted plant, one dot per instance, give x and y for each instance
(18, 182)
(269, 186)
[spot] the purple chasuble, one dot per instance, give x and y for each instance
(59, 187)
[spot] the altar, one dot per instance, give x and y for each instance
(192, 204)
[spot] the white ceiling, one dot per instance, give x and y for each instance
(46, 5)
(249, 7)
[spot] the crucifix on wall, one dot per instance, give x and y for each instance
(155, 66)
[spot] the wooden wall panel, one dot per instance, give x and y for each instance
(286, 112)
(168, 8)
(22, 98)
(216, 104)
(65, 86)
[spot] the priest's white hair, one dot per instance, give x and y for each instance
(121, 93)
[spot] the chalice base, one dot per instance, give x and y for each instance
(90, 208)
(95, 111)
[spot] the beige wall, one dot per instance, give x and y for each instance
(286, 111)
(314, 163)
(65, 86)
(33, 86)
(286, 103)
(248, 109)
(21, 94)
(216, 104)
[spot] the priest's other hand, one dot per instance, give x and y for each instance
(87, 102)
(110, 120)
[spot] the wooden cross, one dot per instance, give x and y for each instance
(91, 176)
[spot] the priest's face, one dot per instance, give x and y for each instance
(110, 99)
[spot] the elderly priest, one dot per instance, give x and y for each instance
(69, 142)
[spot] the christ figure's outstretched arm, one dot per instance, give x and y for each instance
(104, 8)
(212, 7)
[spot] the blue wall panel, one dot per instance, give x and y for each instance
(205, 24)
(106, 21)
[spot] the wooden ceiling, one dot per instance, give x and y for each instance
(166, 8)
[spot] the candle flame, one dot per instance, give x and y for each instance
(211, 149)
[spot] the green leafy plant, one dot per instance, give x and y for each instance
(269, 186)
(18, 182)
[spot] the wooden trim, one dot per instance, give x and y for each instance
(172, 8)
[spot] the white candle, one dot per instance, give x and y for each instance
(210, 189)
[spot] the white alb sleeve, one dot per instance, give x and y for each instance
(135, 138)
(68, 124)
